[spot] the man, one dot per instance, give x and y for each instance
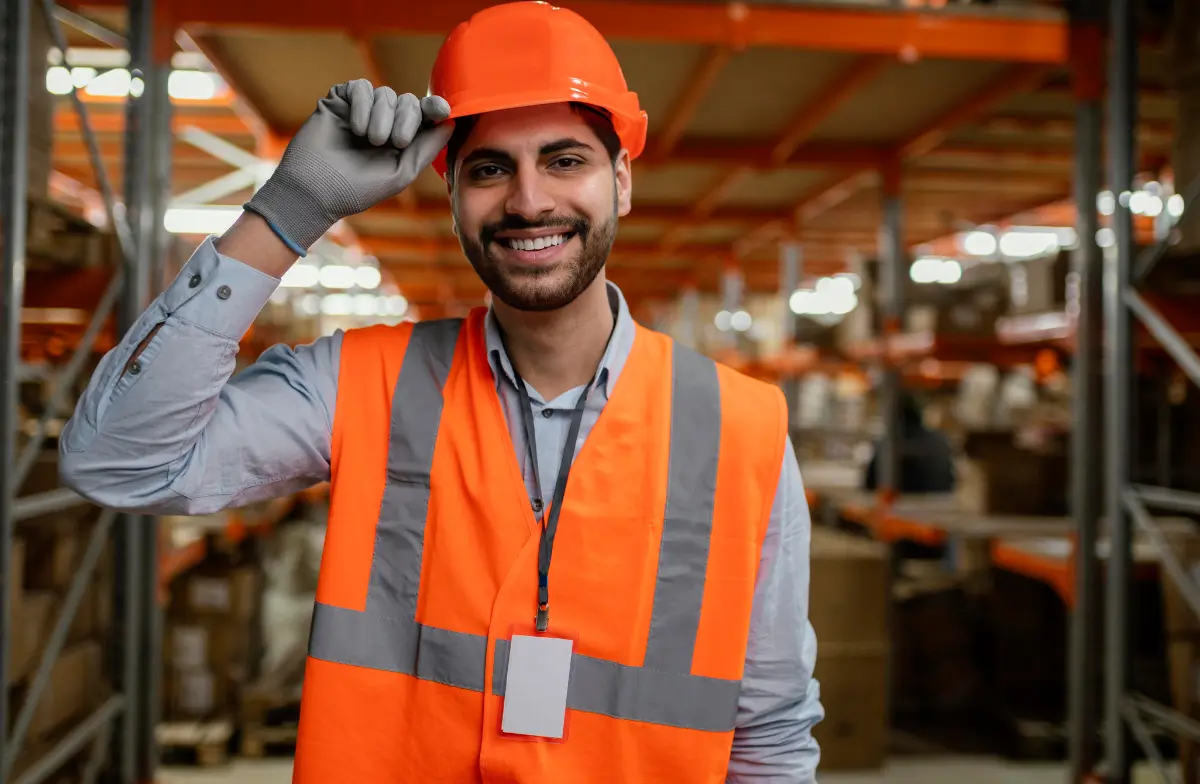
(670, 641)
(926, 456)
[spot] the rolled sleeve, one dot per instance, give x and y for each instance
(780, 701)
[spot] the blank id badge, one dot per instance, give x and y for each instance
(535, 690)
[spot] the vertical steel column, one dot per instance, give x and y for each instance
(1122, 119)
(791, 260)
(1087, 57)
(892, 273)
(131, 601)
(14, 175)
(158, 141)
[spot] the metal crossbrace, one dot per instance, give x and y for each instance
(58, 637)
(75, 740)
(120, 226)
(64, 380)
(1165, 334)
(1150, 256)
(85, 25)
(39, 504)
(1166, 718)
(1149, 526)
(1131, 711)
(99, 755)
(1166, 498)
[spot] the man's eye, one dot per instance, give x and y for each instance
(566, 163)
(486, 170)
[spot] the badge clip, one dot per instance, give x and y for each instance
(542, 621)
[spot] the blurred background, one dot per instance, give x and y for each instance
(955, 233)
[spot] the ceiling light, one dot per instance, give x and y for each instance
(337, 276)
(301, 276)
(979, 243)
(200, 220)
(367, 277)
(741, 321)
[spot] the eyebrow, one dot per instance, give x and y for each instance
(549, 148)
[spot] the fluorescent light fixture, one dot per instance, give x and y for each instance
(112, 84)
(1105, 238)
(741, 321)
(192, 85)
(200, 220)
(367, 277)
(979, 243)
(337, 304)
(1175, 205)
(302, 276)
(950, 273)
(337, 276)
(925, 270)
(1106, 202)
(1028, 244)
(394, 305)
(723, 320)
(366, 304)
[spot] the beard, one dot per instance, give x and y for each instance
(536, 288)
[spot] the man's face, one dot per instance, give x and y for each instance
(536, 199)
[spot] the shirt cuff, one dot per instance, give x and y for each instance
(218, 293)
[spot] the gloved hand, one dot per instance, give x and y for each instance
(361, 146)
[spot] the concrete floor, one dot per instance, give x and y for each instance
(937, 770)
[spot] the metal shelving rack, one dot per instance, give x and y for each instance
(1128, 715)
(121, 730)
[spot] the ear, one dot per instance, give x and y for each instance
(624, 179)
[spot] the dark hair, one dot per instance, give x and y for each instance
(597, 119)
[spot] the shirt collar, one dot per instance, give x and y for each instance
(620, 343)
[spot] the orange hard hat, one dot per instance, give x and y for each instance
(532, 53)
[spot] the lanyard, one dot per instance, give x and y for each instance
(549, 521)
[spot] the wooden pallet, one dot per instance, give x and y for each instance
(204, 743)
(262, 741)
(270, 721)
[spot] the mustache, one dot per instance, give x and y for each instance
(576, 225)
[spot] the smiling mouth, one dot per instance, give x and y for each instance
(536, 243)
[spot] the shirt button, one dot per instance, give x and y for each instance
(547, 412)
(537, 505)
(193, 281)
(224, 292)
(135, 367)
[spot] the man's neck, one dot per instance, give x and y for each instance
(558, 350)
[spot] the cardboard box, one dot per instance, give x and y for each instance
(16, 575)
(75, 687)
(233, 595)
(196, 693)
(32, 623)
(854, 692)
(849, 589)
(220, 645)
(997, 476)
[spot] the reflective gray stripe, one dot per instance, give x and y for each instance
(416, 414)
(641, 694)
(687, 525)
(378, 642)
(386, 636)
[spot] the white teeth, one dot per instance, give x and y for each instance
(536, 243)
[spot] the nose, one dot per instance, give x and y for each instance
(529, 197)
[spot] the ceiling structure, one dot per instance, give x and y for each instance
(765, 123)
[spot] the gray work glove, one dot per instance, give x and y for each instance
(361, 146)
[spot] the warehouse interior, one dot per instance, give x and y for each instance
(956, 233)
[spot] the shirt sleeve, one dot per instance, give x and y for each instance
(172, 434)
(780, 699)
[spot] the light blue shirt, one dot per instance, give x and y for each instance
(176, 435)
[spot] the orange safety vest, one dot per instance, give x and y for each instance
(431, 560)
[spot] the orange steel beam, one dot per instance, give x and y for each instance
(856, 76)
(243, 106)
(66, 121)
(907, 33)
(698, 85)
(807, 120)
(1024, 78)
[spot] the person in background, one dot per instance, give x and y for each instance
(670, 640)
(926, 456)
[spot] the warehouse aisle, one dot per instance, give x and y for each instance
(908, 771)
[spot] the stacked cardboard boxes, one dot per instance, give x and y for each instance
(849, 597)
(210, 641)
